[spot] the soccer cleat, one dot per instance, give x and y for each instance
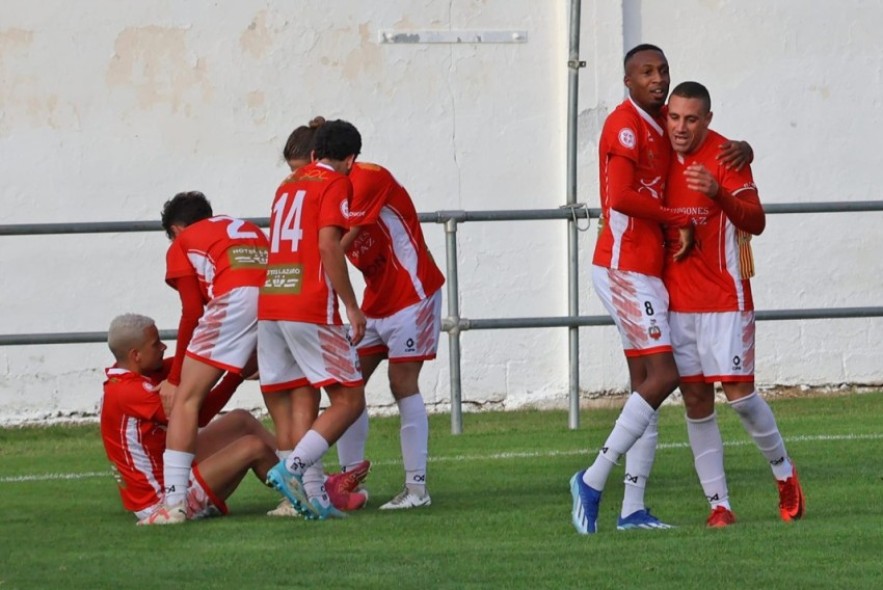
(586, 501)
(792, 504)
(640, 519)
(720, 517)
(407, 499)
(284, 509)
(345, 489)
(163, 515)
(324, 511)
(292, 487)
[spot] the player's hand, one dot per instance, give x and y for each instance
(700, 179)
(357, 323)
(735, 154)
(167, 393)
(686, 237)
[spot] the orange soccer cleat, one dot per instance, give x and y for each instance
(720, 517)
(792, 504)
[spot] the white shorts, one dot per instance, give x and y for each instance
(408, 335)
(712, 347)
(201, 501)
(296, 354)
(638, 304)
(227, 333)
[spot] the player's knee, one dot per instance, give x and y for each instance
(242, 419)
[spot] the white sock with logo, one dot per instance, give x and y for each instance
(414, 440)
(314, 480)
(176, 475)
(283, 455)
(759, 422)
(631, 424)
(708, 457)
(309, 450)
(351, 445)
(638, 463)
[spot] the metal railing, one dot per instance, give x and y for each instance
(454, 324)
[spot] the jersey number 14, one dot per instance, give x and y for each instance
(286, 221)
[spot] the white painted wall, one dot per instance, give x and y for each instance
(106, 113)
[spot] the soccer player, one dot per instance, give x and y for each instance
(302, 344)
(712, 311)
(133, 428)
(627, 270)
(216, 263)
(402, 302)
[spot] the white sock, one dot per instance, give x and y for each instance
(759, 422)
(309, 450)
(415, 440)
(176, 475)
(314, 480)
(351, 445)
(631, 424)
(708, 457)
(283, 455)
(638, 463)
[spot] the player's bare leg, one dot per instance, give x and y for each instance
(351, 444)
(197, 379)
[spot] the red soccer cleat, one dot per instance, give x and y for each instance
(792, 504)
(343, 488)
(720, 517)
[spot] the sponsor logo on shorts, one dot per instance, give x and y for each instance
(409, 345)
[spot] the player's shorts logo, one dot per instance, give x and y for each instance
(654, 332)
(737, 362)
(627, 138)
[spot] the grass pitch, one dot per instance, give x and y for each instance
(500, 516)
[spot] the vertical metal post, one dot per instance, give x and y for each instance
(454, 333)
(573, 65)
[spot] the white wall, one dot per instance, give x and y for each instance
(107, 113)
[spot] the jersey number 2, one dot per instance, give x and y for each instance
(288, 228)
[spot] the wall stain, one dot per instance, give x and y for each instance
(156, 64)
(257, 38)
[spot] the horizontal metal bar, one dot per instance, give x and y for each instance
(475, 324)
(580, 211)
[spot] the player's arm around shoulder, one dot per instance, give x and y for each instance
(739, 199)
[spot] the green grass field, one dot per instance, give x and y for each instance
(500, 516)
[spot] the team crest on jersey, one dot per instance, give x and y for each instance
(345, 208)
(627, 138)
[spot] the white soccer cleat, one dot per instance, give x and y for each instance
(163, 514)
(284, 510)
(407, 499)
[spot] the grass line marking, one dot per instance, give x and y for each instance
(487, 457)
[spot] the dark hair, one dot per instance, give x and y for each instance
(302, 141)
(638, 49)
(693, 90)
(337, 140)
(185, 209)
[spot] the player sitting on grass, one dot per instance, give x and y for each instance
(133, 428)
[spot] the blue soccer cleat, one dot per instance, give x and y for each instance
(324, 510)
(640, 519)
(292, 487)
(585, 505)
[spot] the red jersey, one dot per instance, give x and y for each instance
(632, 242)
(390, 249)
(297, 288)
(222, 252)
(714, 277)
(133, 429)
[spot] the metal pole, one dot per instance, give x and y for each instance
(454, 320)
(573, 65)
